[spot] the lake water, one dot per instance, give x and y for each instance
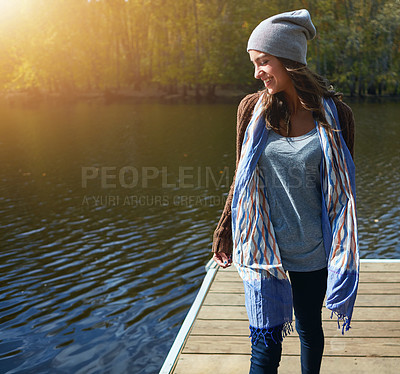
(107, 214)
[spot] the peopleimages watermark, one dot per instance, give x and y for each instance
(173, 186)
(130, 177)
(150, 186)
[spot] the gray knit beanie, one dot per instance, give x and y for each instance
(284, 35)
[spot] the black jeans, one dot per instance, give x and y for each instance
(308, 290)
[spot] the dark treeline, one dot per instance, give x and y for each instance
(187, 45)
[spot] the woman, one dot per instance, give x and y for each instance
(289, 224)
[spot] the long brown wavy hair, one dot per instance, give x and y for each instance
(310, 87)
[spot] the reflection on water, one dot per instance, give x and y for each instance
(107, 214)
(378, 178)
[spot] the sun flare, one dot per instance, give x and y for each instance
(8, 5)
(9, 9)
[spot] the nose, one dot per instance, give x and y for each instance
(257, 72)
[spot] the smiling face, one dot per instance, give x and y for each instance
(271, 71)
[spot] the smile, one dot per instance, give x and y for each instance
(267, 81)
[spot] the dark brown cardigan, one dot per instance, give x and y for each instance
(222, 240)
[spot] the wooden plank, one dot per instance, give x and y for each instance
(364, 288)
(381, 277)
(381, 266)
(241, 328)
(217, 312)
(231, 268)
(212, 363)
(215, 298)
(360, 313)
(349, 347)
(222, 364)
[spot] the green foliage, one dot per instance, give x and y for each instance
(69, 45)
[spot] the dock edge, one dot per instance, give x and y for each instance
(172, 357)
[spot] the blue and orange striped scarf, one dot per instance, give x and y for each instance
(255, 249)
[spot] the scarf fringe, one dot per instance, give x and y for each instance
(277, 333)
(342, 318)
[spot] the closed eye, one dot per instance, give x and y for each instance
(260, 63)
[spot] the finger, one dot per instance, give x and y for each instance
(225, 260)
(217, 258)
(222, 259)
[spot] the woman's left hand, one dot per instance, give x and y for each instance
(222, 259)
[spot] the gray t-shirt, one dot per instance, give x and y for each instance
(292, 176)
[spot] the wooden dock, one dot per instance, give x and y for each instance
(215, 339)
